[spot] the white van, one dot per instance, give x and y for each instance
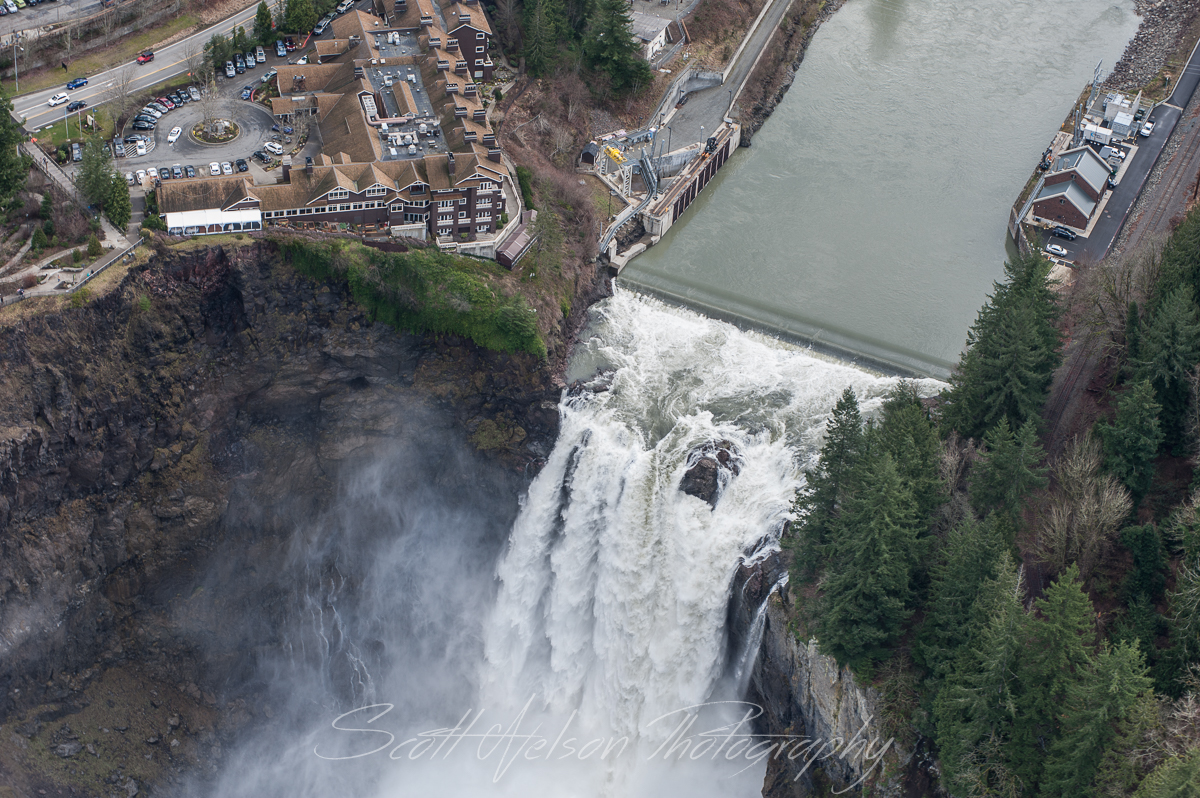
(260, 55)
(344, 6)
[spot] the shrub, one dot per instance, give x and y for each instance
(77, 255)
(39, 239)
(424, 290)
(525, 179)
(143, 303)
(499, 95)
(154, 223)
(48, 228)
(80, 296)
(94, 250)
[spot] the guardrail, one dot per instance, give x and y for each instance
(91, 274)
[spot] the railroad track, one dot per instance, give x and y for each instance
(1066, 389)
(1166, 193)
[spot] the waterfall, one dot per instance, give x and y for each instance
(580, 649)
(749, 652)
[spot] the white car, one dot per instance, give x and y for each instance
(195, 93)
(141, 148)
(227, 168)
(1146, 130)
(154, 112)
(1055, 249)
(174, 135)
(273, 148)
(302, 61)
(129, 178)
(59, 99)
(141, 176)
(214, 168)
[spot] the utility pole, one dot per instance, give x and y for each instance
(16, 77)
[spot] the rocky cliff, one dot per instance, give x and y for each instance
(186, 420)
(831, 724)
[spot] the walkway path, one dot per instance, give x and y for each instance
(112, 238)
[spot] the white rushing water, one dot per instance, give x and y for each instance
(570, 661)
(615, 586)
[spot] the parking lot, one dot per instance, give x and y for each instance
(254, 123)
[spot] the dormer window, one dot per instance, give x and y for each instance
(338, 194)
(376, 191)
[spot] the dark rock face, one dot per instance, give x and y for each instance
(710, 468)
(198, 411)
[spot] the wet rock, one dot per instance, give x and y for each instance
(710, 468)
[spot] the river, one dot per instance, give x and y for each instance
(870, 212)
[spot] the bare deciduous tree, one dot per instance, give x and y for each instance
(195, 60)
(1085, 510)
(209, 101)
(120, 94)
(1116, 282)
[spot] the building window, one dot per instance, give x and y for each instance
(478, 62)
(479, 49)
(444, 231)
(480, 36)
(357, 206)
(416, 189)
(397, 208)
(415, 217)
(462, 214)
(343, 207)
(305, 211)
(462, 201)
(291, 211)
(445, 203)
(339, 193)
(376, 191)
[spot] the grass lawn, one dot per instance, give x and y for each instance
(101, 59)
(59, 134)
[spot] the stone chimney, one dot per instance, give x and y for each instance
(287, 168)
(450, 165)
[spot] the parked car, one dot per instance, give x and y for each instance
(59, 99)
(251, 62)
(140, 124)
(214, 168)
(77, 105)
(239, 65)
(189, 170)
(195, 93)
(76, 152)
(270, 74)
(308, 162)
(280, 48)
(289, 44)
(146, 57)
(134, 138)
(1055, 249)
(118, 148)
(273, 148)
(241, 165)
(75, 84)
(141, 150)
(1064, 232)
(1147, 129)
(226, 168)
(10, 6)
(344, 6)
(303, 61)
(20, 3)
(262, 156)
(140, 176)
(260, 55)
(174, 135)
(157, 106)
(229, 70)
(166, 103)
(247, 92)
(177, 171)
(321, 27)
(144, 120)
(164, 173)
(1112, 183)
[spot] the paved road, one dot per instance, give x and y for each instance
(1165, 117)
(46, 13)
(167, 63)
(704, 110)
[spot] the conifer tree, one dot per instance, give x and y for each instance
(299, 16)
(95, 173)
(1007, 470)
(1132, 442)
(969, 558)
(1177, 777)
(868, 588)
(610, 48)
(1170, 349)
(907, 434)
(14, 170)
(1133, 337)
(264, 28)
(1012, 351)
(545, 24)
(1056, 658)
(975, 711)
(117, 207)
(1096, 703)
(826, 485)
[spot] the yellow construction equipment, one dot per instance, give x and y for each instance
(615, 154)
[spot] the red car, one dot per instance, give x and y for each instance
(170, 105)
(289, 44)
(146, 57)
